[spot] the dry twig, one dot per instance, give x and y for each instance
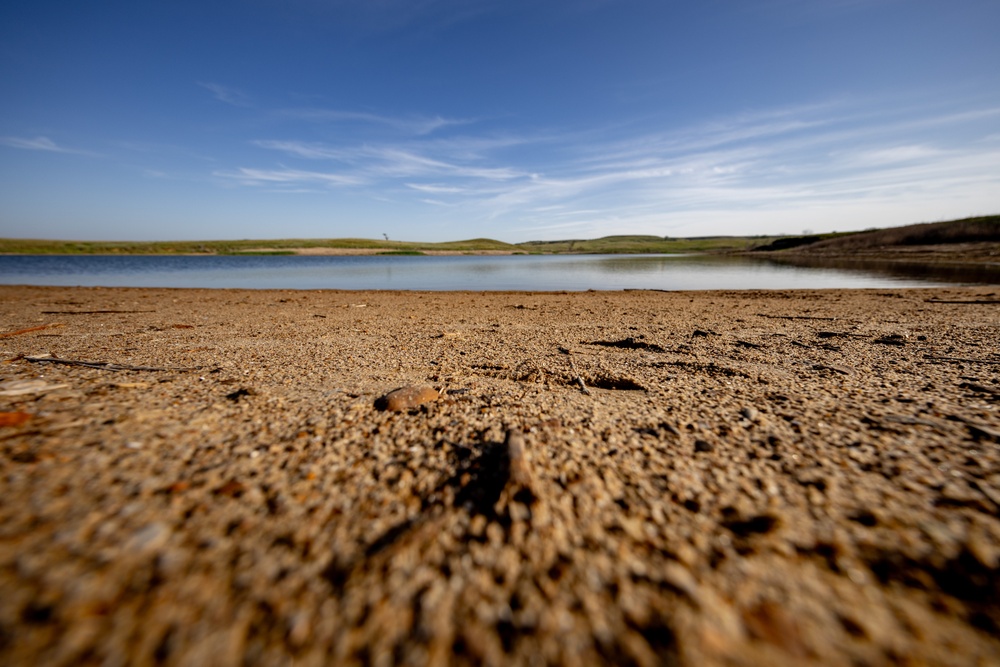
(104, 365)
(796, 317)
(576, 376)
(30, 329)
(93, 312)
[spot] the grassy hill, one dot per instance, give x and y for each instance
(607, 244)
(268, 246)
(981, 230)
(642, 244)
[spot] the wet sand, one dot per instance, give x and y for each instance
(685, 478)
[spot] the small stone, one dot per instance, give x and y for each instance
(703, 446)
(177, 487)
(892, 339)
(982, 550)
(24, 387)
(989, 491)
(679, 578)
(148, 539)
(406, 398)
(843, 370)
(232, 488)
(982, 432)
(958, 493)
(750, 413)
(769, 622)
(13, 418)
(240, 393)
(520, 466)
(299, 628)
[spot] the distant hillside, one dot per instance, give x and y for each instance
(242, 247)
(607, 244)
(641, 244)
(965, 241)
(968, 230)
(946, 237)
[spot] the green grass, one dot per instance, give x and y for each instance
(609, 244)
(643, 244)
(955, 231)
(247, 246)
(605, 245)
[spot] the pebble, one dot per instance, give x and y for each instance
(13, 418)
(987, 554)
(960, 493)
(23, 387)
(149, 538)
(406, 398)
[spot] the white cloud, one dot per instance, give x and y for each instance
(811, 159)
(389, 161)
(287, 177)
(896, 154)
(38, 144)
(403, 162)
(226, 94)
(417, 125)
(432, 188)
(305, 150)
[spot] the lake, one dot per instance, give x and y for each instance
(478, 273)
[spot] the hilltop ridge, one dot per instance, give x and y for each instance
(979, 236)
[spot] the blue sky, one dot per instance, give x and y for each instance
(512, 119)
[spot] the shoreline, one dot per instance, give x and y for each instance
(698, 477)
(953, 253)
(978, 255)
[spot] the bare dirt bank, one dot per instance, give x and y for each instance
(751, 478)
(944, 253)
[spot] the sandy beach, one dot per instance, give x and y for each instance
(199, 477)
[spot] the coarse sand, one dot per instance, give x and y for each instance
(678, 478)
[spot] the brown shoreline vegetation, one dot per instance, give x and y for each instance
(220, 477)
(966, 241)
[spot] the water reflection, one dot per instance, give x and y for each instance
(982, 274)
(527, 272)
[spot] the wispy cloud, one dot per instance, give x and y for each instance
(415, 124)
(822, 164)
(894, 155)
(434, 188)
(226, 94)
(289, 177)
(39, 144)
(310, 151)
(389, 160)
(821, 160)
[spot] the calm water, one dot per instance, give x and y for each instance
(517, 272)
